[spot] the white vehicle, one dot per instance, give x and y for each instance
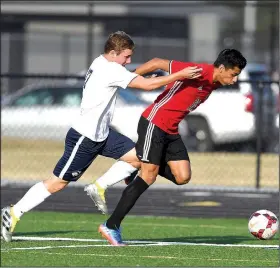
(47, 111)
(229, 115)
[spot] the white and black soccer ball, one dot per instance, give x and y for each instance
(263, 224)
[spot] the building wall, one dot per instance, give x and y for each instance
(160, 31)
(185, 31)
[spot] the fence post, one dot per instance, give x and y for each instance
(89, 35)
(65, 51)
(259, 122)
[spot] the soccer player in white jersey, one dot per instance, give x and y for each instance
(90, 134)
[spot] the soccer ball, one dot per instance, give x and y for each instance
(263, 224)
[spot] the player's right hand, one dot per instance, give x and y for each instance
(192, 72)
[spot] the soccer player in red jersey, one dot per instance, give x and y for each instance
(158, 139)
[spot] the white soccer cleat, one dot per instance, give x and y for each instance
(8, 223)
(97, 194)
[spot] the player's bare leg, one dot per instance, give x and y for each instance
(181, 170)
(133, 160)
(149, 172)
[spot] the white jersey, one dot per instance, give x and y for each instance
(99, 97)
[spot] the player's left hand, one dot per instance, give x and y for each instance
(191, 72)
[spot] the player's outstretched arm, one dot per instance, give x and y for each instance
(155, 82)
(152, 65)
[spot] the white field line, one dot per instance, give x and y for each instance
(149, 224)
(75, 246)
(137, 242)
(152, 257)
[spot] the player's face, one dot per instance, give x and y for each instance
(124, 57)
(228, 76)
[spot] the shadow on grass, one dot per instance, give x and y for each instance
(204, 239)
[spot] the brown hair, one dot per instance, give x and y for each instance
(118, 41)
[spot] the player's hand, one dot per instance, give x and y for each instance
(192, 72)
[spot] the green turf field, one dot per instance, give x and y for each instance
(71, 239)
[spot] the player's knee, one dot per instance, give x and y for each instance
(183, 178)
(136, 164)
(133, 162)
(55, 184)
(149, 175)
(131, 158)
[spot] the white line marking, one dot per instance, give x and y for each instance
(78, 246)
(148, 224)
(154, 243)
(151, 257)
(36, 238)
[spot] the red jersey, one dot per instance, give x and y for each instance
(180, 97)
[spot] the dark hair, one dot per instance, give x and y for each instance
(118, 41)
(230, 58)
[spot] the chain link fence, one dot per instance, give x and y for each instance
(35, 120)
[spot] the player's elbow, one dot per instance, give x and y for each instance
(156, 61)
(159, 63)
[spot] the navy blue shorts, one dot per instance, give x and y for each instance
(80, 152)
